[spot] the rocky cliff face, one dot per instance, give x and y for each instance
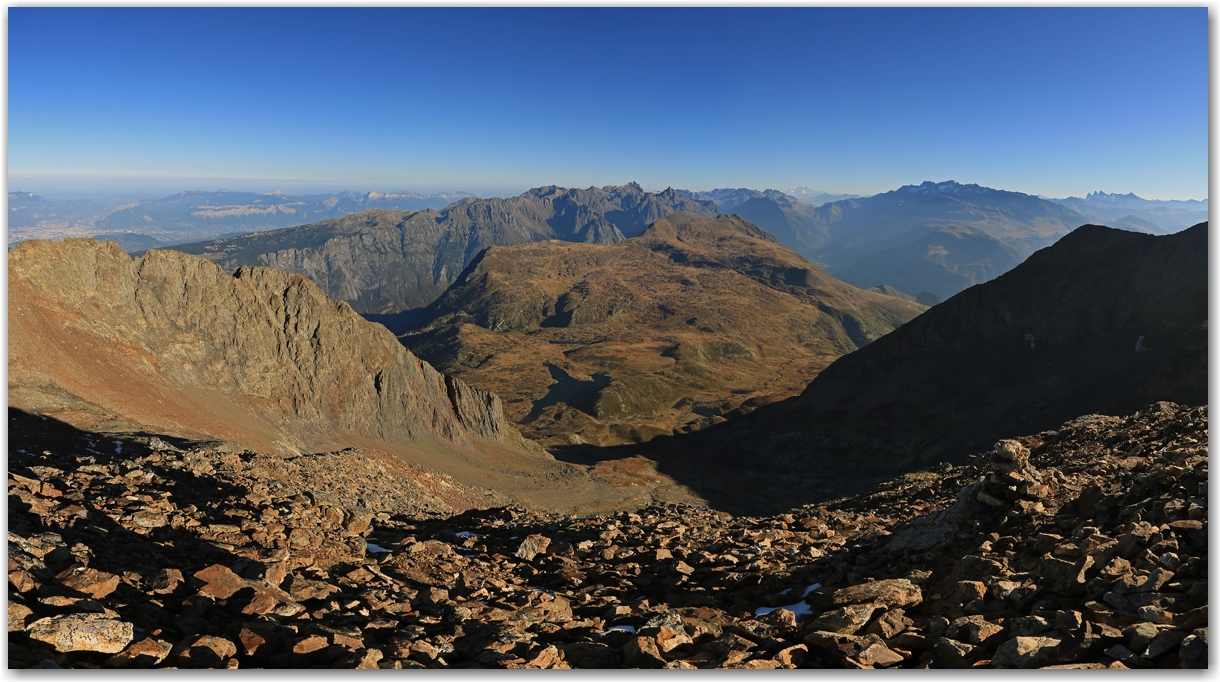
(262, 356)
(390, 261)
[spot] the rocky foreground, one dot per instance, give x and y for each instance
(1082, 547)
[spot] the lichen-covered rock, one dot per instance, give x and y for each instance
(82, 632)
(893, 592)
(1026, 652)
(533, 546)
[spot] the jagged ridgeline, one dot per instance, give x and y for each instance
(696, 319)
(389, 261)
(261, 357)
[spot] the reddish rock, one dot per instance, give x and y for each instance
(205, 652)
(90, 581)
(220, 582)
(165, 581)
(532, 546)
(142, 654)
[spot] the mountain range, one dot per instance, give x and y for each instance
(816, 197)
(930, 240)
(933, 238)
(1131, 212)
(385, 262)
(191, 216)
(26, 209)
(694, 319)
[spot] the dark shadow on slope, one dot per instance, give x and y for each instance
(401, 322)
(1104, 322)
(577, 394)
(36, 441)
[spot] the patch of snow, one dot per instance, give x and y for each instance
(377, 549)
(513, 537)
(118, 447)
(811, 588)
(624, 628)
(465, 534)
(800, 608)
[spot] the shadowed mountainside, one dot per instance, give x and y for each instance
(389, 261)
(965, 373)
(695, 319)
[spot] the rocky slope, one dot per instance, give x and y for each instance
(90, 327)
(389, 261)
(694, 319)
(1103, 321)
(170, 345)
(1082, 547)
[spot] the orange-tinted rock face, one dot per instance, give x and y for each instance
(262, 357)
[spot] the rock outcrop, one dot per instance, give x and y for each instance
(262, 357)
(389, 261)
(670, 331)
(1082, 547)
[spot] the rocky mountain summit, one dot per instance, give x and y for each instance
(667, 332)
(385, 262)
(172, 343)
(1082, 547)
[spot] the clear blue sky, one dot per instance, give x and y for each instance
(1042, 100)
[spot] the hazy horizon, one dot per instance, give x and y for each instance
(128, 194)
(1048, 101)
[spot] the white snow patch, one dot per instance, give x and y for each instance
(377, 549)
(811, 588)
(800, 608)
(118, 447)
(465, 534)
(624, 628)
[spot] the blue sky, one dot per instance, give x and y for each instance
(1053, 101)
